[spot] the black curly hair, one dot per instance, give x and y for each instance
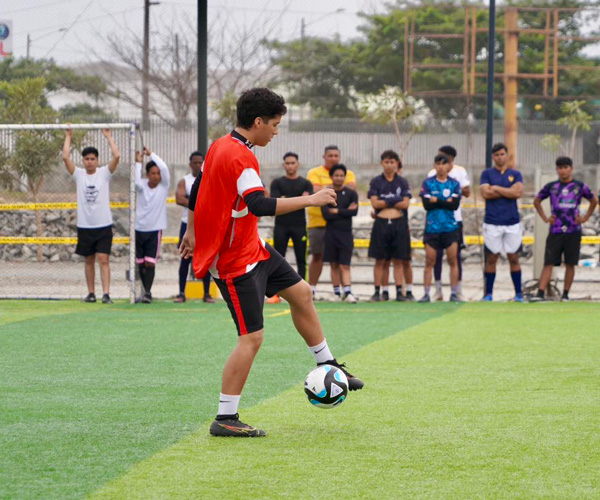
(259, 102)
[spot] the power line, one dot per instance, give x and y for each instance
(67, 30)
(258, 9)
(51, 29)
(40, 7)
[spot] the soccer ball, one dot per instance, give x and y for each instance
(326, 386)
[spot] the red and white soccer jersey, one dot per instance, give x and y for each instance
(227, 240)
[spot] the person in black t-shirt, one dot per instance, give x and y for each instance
(292, 225)
(339, 242)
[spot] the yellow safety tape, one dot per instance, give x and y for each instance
(7, 207)
(67, 240)
(173, 240)
(11, 207)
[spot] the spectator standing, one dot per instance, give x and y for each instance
(564, 239)
(339, 241)
(182, 195)
(94, 218)
(150, 216)
(501, 187)
(462, 176)
(320, 178)
(390, 196)
(441, 197)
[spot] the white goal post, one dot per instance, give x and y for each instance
(127, 146)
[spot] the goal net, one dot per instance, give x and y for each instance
(38, 211)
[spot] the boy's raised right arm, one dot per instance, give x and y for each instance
(67, 152)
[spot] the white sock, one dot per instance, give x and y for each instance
(228, 404)
(321, 352)
(459, 287)
(386, 289)
(314, 288)
(408, 288)
(438, 286)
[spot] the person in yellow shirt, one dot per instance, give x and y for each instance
(319, 177)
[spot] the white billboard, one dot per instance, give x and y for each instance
(6, 36)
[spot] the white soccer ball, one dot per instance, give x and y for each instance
(326, 386)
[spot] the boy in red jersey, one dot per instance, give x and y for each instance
(223, 238)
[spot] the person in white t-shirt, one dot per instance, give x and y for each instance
(150, 215)
(94, 218)
(182, 196)
(462, 176)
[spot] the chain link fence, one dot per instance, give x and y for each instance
(38, 227)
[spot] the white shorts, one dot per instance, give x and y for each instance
(502, 239)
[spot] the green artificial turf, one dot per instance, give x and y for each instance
(485, 402)
(87, 391)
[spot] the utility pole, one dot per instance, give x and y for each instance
(511, 47)
(146, 66)
(202, 71)
(28, 45)
(489, 133)
(302, 28)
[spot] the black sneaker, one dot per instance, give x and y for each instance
(91, 297)
(375, 298)
(179, 299)
(410, 297)
(354, 384)
(455, 298)
(106, 299)
(425, 299)
(385, 296)
(147, 298)
(400, 298)
(230, 426)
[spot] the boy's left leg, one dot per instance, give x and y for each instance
(306, 321)
(572, 246)
(430, 256)
(452, 256)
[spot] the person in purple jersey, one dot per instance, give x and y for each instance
(565, 222)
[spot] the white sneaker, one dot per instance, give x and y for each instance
(350, 299)
(335, 298)
(317, 297)
(438, 296)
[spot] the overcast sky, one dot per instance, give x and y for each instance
(65, 29)
(62, 29)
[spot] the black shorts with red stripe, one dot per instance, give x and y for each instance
(245, 295)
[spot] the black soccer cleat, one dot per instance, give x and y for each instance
(354, 383)
(106, 299)
(147, 298)
(91, 298)
(385, 296)
(230, 426)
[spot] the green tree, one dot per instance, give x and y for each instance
(55, 77)
(33, 154)
(391, 105)
(322, 73)
(574, 118)
(85, 113)
(325, 73)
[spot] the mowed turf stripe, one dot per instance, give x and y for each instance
(85, 396)
(487, 402)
